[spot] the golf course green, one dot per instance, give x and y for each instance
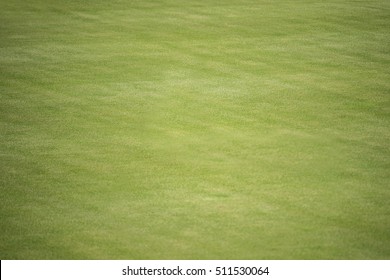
(169, 129)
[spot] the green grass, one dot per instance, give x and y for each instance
(195, 129)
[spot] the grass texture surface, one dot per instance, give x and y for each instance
(195, 129)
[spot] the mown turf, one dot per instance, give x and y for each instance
(195, 129)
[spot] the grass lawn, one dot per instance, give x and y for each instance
(169, 129)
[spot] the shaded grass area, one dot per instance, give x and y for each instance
(196, 130)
